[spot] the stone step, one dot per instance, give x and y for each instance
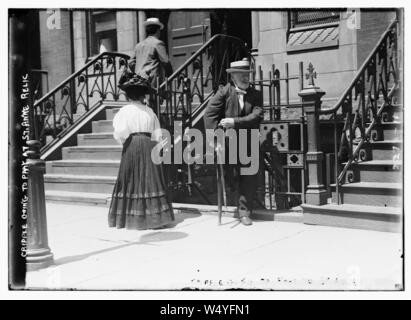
(110, 113)
(115, 104)
(104, 199)
(93, 152)
(377, 171)
(79, 183)
(385, 150)
(392, 130)
(78, 198)
(366, 217)
(106, 126)
(394, 112)
(81, 167)
(387, 194)
(92, 139)
(396, 106)
(100, 126)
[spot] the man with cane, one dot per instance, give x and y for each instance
(238, 106)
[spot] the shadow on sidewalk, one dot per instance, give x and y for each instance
(181, 216)
(146, 239)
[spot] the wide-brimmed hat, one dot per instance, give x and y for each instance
(130, 80)
(153, 21)
(240, 66)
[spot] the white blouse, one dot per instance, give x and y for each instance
(136, 117)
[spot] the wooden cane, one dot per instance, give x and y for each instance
(220, 184)
(219, 194)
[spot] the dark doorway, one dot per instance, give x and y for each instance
(188, 30)
(163, 16)
(233, 22)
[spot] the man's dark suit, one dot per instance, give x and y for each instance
(225, 104)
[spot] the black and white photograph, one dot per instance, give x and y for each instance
(206, 149)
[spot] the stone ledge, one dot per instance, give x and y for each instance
(353, 217)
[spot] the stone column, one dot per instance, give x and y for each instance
(127, 33)
(141, 29)
(79, 39)
(255, 29)
(316, 194)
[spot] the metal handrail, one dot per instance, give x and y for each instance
(379, 83)
(200, 51)
(78, 72)
(360, 71)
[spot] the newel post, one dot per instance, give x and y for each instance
(316, 194)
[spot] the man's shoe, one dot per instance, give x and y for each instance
(246, 221)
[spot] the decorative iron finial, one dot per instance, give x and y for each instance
(311, 75)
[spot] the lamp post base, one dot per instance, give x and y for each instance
(39, 258)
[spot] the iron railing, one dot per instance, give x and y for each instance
(89, 86)
(283, 181)
(363, 106)
(184, 95)
(194, 82)
(181, 97)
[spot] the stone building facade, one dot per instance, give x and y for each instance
(335, 42)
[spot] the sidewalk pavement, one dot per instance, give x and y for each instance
(199, 254)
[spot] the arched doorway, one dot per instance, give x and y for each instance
(233, 22)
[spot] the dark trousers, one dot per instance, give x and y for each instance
(245, 186)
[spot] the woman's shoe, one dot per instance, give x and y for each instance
(165, 226)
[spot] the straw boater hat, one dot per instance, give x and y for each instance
(239, 66)
(153, 21)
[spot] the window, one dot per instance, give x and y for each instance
(303, 18)
(102, 31)
(312, 29)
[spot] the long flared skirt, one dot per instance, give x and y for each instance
(139, 199)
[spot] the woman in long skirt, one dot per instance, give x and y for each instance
(139, 199)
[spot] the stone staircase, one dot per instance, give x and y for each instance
(87, 172)
(371, 196)
(374, 197)
(373, 200)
